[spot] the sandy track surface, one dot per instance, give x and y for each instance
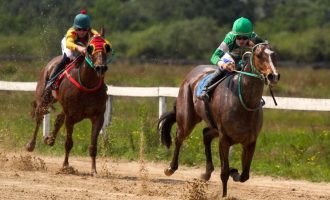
(31, 176)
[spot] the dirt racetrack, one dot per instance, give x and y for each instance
(31, 176)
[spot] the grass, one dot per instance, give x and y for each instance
(292, 144)
(298, 154)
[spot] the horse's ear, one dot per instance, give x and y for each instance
(90, 49)
(258, 51)
(107, 48)
(102, 32)
(251, 43)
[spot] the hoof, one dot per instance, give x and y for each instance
(168, 171)
(234, 174)
(49, 140)
(208, 172)
(30, 146)
(206, 176)
(94, 174)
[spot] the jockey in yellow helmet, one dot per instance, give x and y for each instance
(74, 43)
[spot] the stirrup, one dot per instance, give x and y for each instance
(50, 85)
(262, 102)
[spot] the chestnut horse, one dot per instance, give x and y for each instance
(82, 94)
(234, 113)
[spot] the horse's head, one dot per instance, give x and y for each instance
(97, 55)
(263, 59)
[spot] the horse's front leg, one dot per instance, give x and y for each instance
(69, 142)
(97, 123)
(208, 136)
(247, 156)
(224, 154)
(50, 140)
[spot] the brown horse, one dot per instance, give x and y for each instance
(82, 94)
(234, 113)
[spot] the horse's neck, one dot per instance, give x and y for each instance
(88, 75)
(251, 89)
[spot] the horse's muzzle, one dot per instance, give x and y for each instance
(101, 69)
(273, 78)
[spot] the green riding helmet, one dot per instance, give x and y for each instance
(82, 20)
(242, 26)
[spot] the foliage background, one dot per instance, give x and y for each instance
(171, 29)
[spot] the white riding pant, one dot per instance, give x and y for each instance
(69, 53)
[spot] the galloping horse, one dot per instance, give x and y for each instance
(234, 114)
(82, 94)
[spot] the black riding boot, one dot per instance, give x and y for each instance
(219, 73)
(56, 72)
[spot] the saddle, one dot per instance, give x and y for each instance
(201, 84)
(204, 80)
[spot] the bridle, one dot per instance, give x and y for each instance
(254, 72)
(98, 44)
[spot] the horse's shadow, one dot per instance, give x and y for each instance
(112, 176)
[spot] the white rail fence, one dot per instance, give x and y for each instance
(287, 103)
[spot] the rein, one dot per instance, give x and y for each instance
(78, 83)
(80, 86)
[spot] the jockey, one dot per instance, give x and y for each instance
(74, 43)
(233, 47)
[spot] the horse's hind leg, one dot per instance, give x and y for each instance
(69, 142)
(97, 123)
(50, 140)
(181, 135)
(247, 156)
(38, 113)
(32, 143)
(186, 119)
(178, 142)
(208, 136)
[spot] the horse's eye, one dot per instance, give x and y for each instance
(90, 49)
(107, 48)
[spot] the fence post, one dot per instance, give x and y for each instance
(107, 114)
(46, 125)
(161, 106)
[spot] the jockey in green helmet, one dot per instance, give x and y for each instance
(230, 51)
(243, 27)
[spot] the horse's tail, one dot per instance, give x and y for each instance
(165, 124)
